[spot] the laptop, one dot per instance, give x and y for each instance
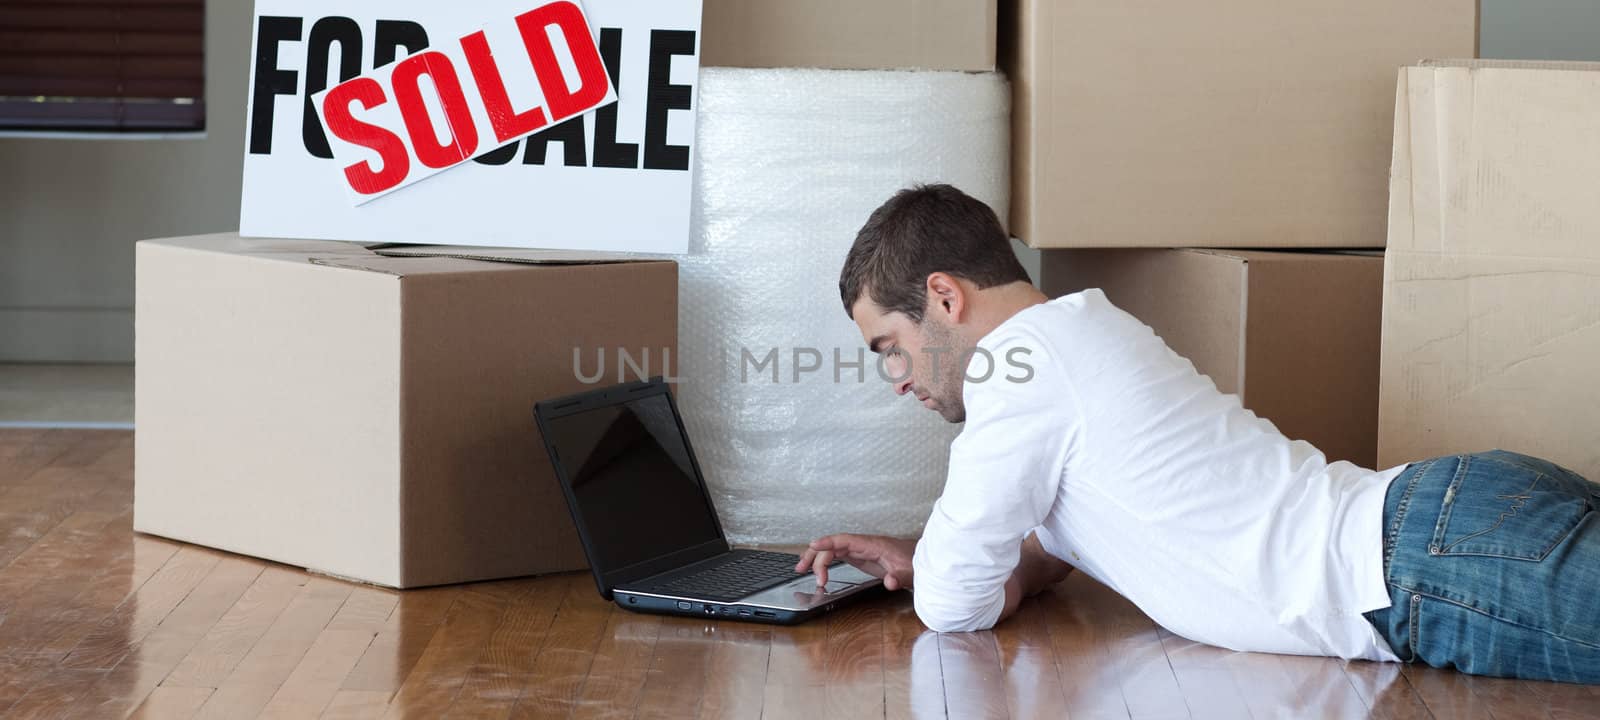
(648, 526)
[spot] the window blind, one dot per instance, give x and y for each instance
(102, 65)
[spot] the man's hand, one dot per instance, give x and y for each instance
(884, 557)
(1037, 569)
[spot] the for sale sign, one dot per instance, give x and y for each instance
(534, 123)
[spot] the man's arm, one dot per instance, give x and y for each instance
(1004, 478)
(890, 559)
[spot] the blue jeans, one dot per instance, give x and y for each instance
(1493, 566)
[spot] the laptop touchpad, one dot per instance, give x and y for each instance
(808, 586)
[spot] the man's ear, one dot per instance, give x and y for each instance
(945, 295)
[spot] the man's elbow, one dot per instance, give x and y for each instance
(949, 625)
(939, 617)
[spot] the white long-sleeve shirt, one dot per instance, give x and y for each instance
(1132, 467)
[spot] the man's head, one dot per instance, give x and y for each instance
(930, 274)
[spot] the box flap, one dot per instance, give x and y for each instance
(1286, 255)
(1358, 253)
(398, 261)
(1512, 64)
(1492, 288)
(511, 255)
(1231, 254)
(275, 248)
(1495, 159)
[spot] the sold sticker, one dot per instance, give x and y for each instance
(438, 108)
(350, 100)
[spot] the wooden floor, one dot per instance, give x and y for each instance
(96, 621)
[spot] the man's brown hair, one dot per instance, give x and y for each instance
(920, 231)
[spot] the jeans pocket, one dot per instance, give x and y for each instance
(1495, 508)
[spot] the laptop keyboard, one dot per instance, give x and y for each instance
(742, 575)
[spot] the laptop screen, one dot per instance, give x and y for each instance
(634, 484)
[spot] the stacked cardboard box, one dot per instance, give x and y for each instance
(850, 34)
(1295, 335)
(1491, 332)
(1251, 125)
(370, 417)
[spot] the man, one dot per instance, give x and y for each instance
(1111, 454)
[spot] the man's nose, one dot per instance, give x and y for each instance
(902, 387)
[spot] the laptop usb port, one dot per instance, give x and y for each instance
(744, 613)
(683, 605)
(766, 614)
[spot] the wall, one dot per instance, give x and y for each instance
(1030, 258)
(1539, 29)
(70, 211)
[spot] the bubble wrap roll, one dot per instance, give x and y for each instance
(790, 164)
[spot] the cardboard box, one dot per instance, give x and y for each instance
(1253, 123)
(1491, 334)
(850, 34)
(1294, 334)
(370, 417)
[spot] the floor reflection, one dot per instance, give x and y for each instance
(97, 621)
(1091, 654)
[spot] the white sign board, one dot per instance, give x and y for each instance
(612, 178)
